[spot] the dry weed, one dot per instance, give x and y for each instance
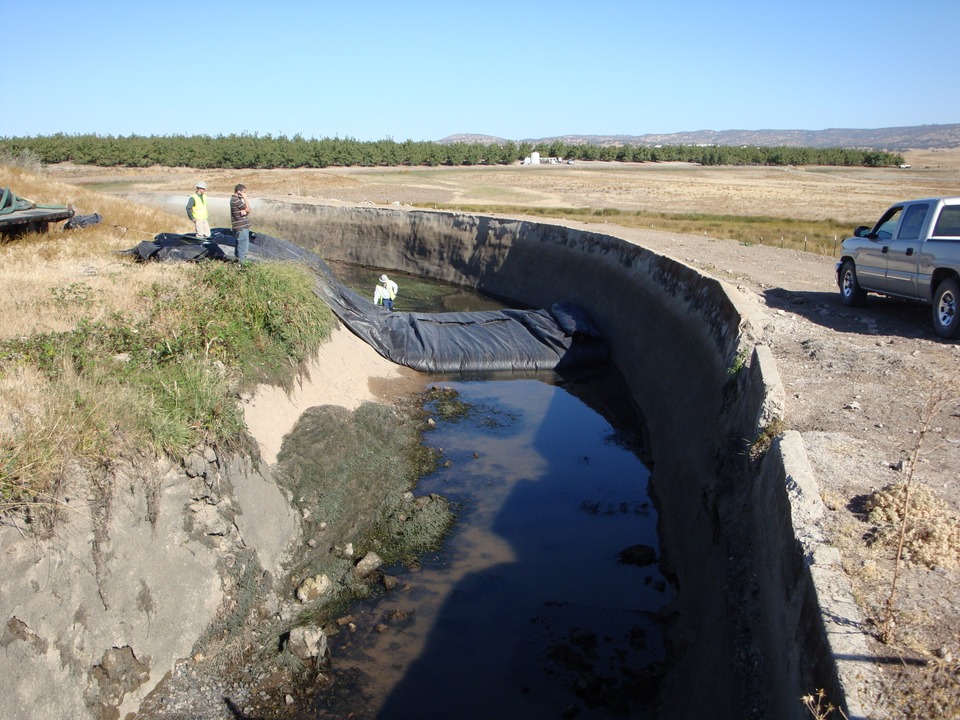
(932, 530)
(819, 707)
(54, 279)
(47, 427)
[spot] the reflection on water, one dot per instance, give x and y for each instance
(528, 610)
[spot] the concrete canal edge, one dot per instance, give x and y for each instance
(766, 612)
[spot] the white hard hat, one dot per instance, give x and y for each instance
(383, 278)
(201, 185)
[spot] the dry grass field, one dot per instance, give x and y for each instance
(847, 195)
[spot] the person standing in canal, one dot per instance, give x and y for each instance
(385, 293)
(197, 210)
(240, 220)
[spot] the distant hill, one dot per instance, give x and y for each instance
(915, 137)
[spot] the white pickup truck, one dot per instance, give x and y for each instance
(912, 252)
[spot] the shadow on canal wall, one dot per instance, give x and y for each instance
(763, 613)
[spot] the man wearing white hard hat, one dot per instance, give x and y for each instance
(197, 210)
(385, 293)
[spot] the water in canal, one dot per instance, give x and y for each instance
(542, 601)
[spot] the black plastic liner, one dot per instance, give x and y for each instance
(82, 221)
(463, 342)
(173, 246)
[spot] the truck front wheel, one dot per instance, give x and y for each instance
(946, 321)
(851, 293)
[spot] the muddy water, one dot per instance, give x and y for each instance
(529, 609)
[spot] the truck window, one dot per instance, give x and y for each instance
(948, 224)
(913, 222)
(887, 224)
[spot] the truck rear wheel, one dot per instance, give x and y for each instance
(851, 293)
(946, 320)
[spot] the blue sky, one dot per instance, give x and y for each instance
(425, 69)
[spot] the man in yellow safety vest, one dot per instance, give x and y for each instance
(385, 294)
(197, 210)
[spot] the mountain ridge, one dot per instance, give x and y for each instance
(912, 137)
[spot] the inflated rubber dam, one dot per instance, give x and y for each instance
(763, 611)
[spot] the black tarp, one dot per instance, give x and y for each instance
(173, 246)
(462, 342)
(82, 221)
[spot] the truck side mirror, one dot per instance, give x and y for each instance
(861, 231)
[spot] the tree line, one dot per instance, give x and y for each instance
(256, 151)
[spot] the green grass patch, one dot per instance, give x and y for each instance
(168, 382)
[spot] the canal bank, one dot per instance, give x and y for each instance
(764, 610)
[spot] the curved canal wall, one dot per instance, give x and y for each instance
(763, 613)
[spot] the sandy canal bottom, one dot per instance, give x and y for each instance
(528, 609)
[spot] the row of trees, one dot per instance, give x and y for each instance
(255, 151)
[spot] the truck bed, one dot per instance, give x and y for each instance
(32, 220)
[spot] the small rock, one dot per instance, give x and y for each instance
(368, 564)
(307, 642)
(194, 464)
(900, 465)
(313, 588)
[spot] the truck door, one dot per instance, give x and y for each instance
(903, 251)
(871, 258)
